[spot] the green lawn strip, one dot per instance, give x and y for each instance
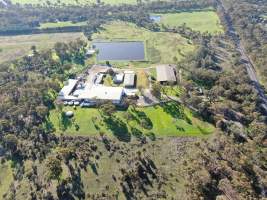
(83, 118)
(167, 120)
(60, 24)
(161, 47)
(6, 178)
(171, 123)
(203, 21)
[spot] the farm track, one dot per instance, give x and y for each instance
(244, 57)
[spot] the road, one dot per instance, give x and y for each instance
(244, 58)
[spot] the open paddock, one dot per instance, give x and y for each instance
(169, 119)
(160, 47)
(17, 46)
(203, 21)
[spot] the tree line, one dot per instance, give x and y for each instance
(19, 18)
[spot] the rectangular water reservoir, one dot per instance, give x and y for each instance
(120, 51)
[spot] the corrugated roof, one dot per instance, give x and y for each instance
(129, 79)
(103, 93)
(165, 73)
(68, 88)
(118, 78)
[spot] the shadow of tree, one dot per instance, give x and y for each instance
(143, 119)
(118, 128)
(49, 126)
(94, 168)
(203, 131)
(136, 132)
(176, 111)
(65, 122)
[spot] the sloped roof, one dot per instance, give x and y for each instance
(165, 73)
(103, 93)
(68, 88)
(129, 79)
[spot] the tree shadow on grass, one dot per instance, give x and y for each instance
(137, 133)
(118, 128)
(143, 119)
(66, 122)
(203, 131)
(176, 111)
(94, 168)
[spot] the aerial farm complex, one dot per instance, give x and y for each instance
(90, 89)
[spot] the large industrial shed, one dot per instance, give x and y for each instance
(103, 93)
(166, 74)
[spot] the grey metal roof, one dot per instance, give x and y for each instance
(129, 79)
(165, 73)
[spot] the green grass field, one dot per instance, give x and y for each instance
(160, 47)
(60, 24)
(73, 2)
(203, 21)
(12, 47)
(6, 178)
(167, 120)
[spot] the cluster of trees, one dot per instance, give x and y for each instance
(247, 18)
(19, 19)
(28, 90)
(229, 100)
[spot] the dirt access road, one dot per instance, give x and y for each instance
(244, 57)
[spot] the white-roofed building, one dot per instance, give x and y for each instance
(67, 89)
(118, 79)
(99, 78)
(103, 93)
(129, 79)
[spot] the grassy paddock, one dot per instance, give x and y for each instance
(60, 24)
(167, 120)
(6, 178)
(17, 46)
(160, 47)
(203, 21)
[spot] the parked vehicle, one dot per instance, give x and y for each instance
(76, 103)
(70, 103)
(86, 104)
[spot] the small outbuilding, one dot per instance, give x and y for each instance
(118, 78)
(166, 74)
(67, 89)
(129, 79)
(90, 52)
(99, 78)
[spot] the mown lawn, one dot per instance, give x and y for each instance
(60, 24)
(203, 21)
(161, 47)
(6, 178)
(167, 120)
